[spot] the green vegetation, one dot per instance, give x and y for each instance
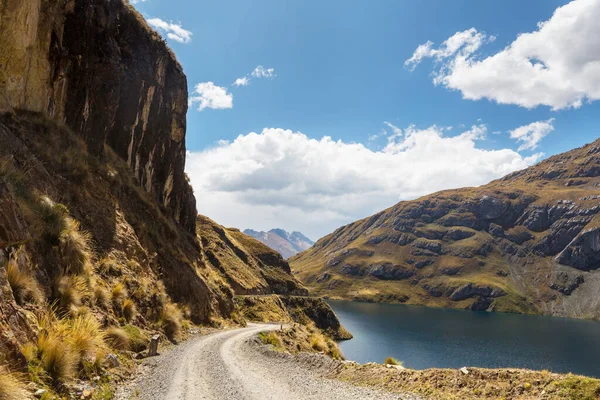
(392, 361)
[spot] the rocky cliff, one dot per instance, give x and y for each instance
(286, 244)
(528, 242)
(98, 68)
(99, 247)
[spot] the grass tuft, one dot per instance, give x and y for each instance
(12, 386)
(69, 291)
(75, 248)
(170, 319)
(85, 336)
(118, 338)
(318, 342)
(118, 294)
(129, 310)
(392, 361)
(24, 286)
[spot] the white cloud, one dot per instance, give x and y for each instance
(172, 30)
(262, 72)
(137, 1)
(532, 134)
(259, 72)
(558, 65)
(286, 179)
(241, 81)
(209, 95)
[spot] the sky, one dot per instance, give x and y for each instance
(307, 115)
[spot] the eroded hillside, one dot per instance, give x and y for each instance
(529, 242)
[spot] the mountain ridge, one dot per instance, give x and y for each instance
(286, 244)
(527, 242)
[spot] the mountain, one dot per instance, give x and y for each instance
(529, 242)
(101, 246)
(286, 244)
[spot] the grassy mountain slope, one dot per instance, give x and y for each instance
(248, 265)
(529, 242)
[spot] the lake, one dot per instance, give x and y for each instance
(435, 337)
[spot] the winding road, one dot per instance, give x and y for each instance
(231, 365)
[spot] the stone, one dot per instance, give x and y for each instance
(112, 361)
(464, 371)
(39, 393)
(153, 348)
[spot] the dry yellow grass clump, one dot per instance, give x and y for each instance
(21, 280)
(12, 386)
(170, 320)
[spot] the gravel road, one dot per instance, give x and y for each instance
(232, 365)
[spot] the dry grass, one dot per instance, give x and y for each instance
(24, 286)
(75, 248)
(117, 338)
(55, 217)
(118, 294)
(12, 386)
(129, 310)
(69, 291)
(101, 297)
(318, 342)
(57, 357)
(170, 320)
(85, 336)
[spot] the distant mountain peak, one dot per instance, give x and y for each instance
(287, 244)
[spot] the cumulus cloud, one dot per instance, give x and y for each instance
(557, 65)
(259, 72)
(286, 179)
(172, 30)
(532, 134)
(209, 95)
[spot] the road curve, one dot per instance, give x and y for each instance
(226, 365)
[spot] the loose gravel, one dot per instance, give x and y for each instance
(235, 365)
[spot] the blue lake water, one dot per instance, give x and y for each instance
(434, 337)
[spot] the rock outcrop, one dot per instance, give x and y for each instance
(529, 242)
(97, 67)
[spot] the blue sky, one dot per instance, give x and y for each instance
(339, 70)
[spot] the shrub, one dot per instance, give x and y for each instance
(24, 286)
(392, 361)
(171, 321)
(12, 386)
(75, 248)
(128, 309)
(117, 338)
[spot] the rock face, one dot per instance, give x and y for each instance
(96, 66)
(529, 242)
(286, 244)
